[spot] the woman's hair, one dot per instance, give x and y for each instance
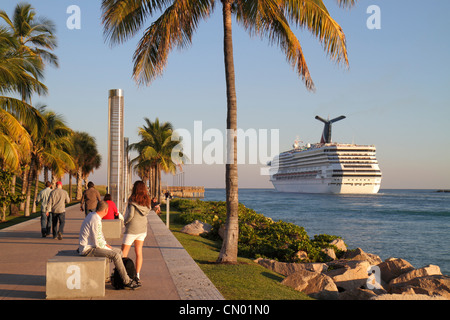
(107, 197)
(140, 194)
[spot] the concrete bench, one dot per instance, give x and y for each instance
(112, 228)
(70, 275)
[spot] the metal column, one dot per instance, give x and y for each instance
(116, 148)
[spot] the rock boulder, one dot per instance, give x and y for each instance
(359, 254)
(287, 269)
(428, 270)
(316, 285)
(196, 228)
(435, 285)
(353, 274)
(394, 267)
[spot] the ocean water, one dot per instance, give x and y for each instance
(410, 224)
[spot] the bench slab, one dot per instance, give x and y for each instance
(71, 277)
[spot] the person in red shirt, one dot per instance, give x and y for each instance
(113, 213)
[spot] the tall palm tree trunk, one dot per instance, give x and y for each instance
(36, 189)
(79, 185)
(24, 186)
(158, 181)
(28, 190)
(70, 186)
(152, 181)
(46, 174)
(228, 253)
(13, 191)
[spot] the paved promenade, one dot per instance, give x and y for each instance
(168, 272)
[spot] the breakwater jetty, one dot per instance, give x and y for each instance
(187, 192)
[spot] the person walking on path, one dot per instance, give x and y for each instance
(90, 198)
(155, 206)
(92, 243)
(113, 213)
(135, 220)
(46, 217)
(57, 207)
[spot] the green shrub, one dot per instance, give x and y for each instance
(259, 236)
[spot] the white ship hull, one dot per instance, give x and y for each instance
(327, 168)
(324, 186)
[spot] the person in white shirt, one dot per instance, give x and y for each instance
(92, 243)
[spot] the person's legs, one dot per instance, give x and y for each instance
(61, 218)
(44, 224)
(113, 255)
(139, 258)
(127, 242)
(62, 223)
(49, 223)
(54, 223)
(125, 249)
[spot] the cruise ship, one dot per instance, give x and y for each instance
(327, 167)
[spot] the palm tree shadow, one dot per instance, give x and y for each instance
(272, 276)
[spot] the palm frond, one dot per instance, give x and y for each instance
(15, 143)
(173, 29)
(266, 19)
(346, 3)
(24, 113)
(122, 19)
(313, 15)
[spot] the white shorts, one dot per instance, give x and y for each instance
(129, 238)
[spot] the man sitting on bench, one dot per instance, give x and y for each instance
(92, 243)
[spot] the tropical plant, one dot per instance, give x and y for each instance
(30, 41)
(86, 157)
(154, 153)
(35, 36)
(6, 196)
(175, 27)
(259, 236)
(50, 150)
(15, 139)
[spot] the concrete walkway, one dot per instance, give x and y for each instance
(168, 272)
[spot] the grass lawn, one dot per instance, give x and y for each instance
(245, 280)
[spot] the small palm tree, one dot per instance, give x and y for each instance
(86, 156)
(155, 153)
(50, 150)
(175, 27)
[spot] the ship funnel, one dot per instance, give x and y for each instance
(326, 134)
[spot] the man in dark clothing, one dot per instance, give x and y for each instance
(90, 198)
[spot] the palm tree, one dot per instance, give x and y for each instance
(155, 153)
(33, 40)
(175, 27)
(86, 156)
(15, 139)
(35, 36)
(51, 150)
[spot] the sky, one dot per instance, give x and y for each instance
(395, 93)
